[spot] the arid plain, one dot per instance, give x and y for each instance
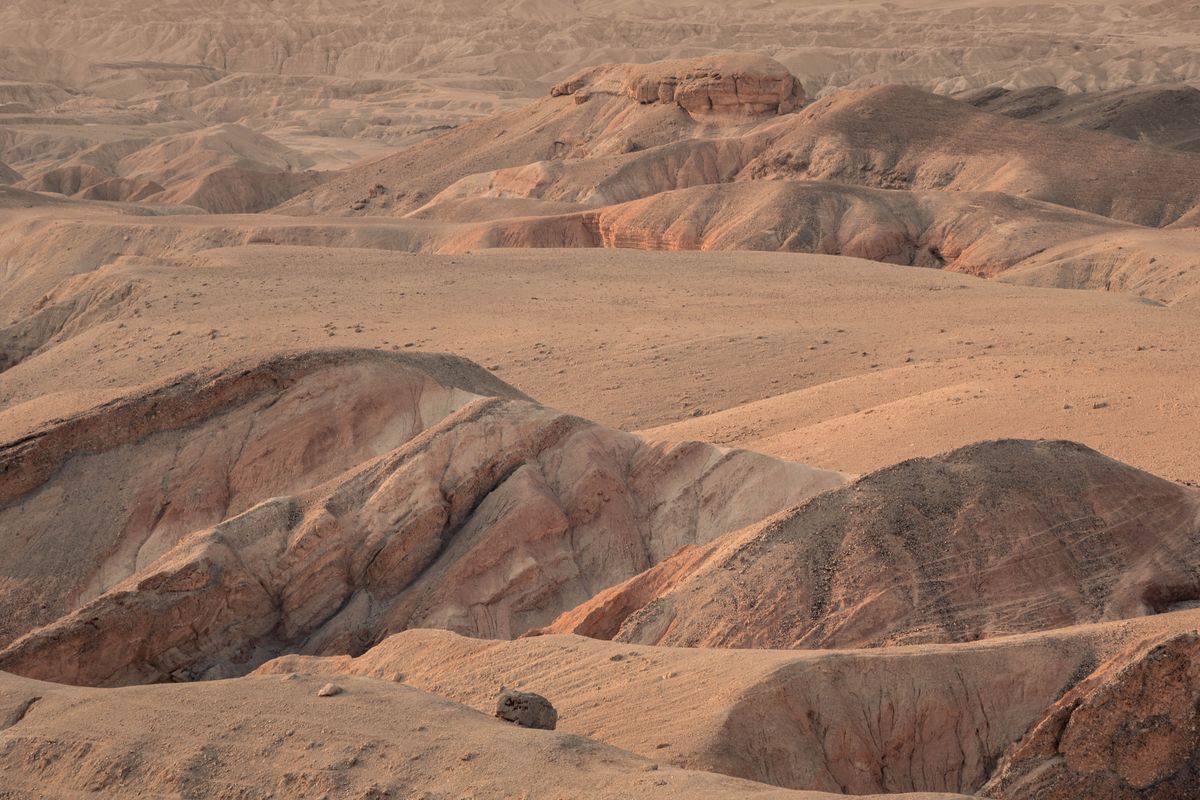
(802, 397)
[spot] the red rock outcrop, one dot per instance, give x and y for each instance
(1129, 731)
(735, 84)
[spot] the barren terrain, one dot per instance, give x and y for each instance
(801, 397)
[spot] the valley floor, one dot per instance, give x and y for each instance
(839, 363)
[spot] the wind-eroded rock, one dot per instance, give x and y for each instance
(992, 539)
(216, 522)
(1130, 730)
(738, 84)
(89, 499)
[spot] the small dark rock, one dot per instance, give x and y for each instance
(526, 709)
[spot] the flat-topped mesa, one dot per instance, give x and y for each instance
(740, 85)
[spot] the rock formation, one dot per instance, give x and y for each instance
(285, 548)
(1131, 729)
(742, 85)
(248, 517)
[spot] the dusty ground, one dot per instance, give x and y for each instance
(319, 327)
(839, 363)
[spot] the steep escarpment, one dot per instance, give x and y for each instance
(738, 84)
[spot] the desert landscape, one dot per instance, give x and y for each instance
(562, 399)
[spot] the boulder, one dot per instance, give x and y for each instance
(526, 709)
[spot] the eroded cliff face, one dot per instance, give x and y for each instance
(319, 502)
(1131, 729)
(731, 85)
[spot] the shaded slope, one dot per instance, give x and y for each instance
(1168, 116)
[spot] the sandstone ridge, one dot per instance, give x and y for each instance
(725, 85)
